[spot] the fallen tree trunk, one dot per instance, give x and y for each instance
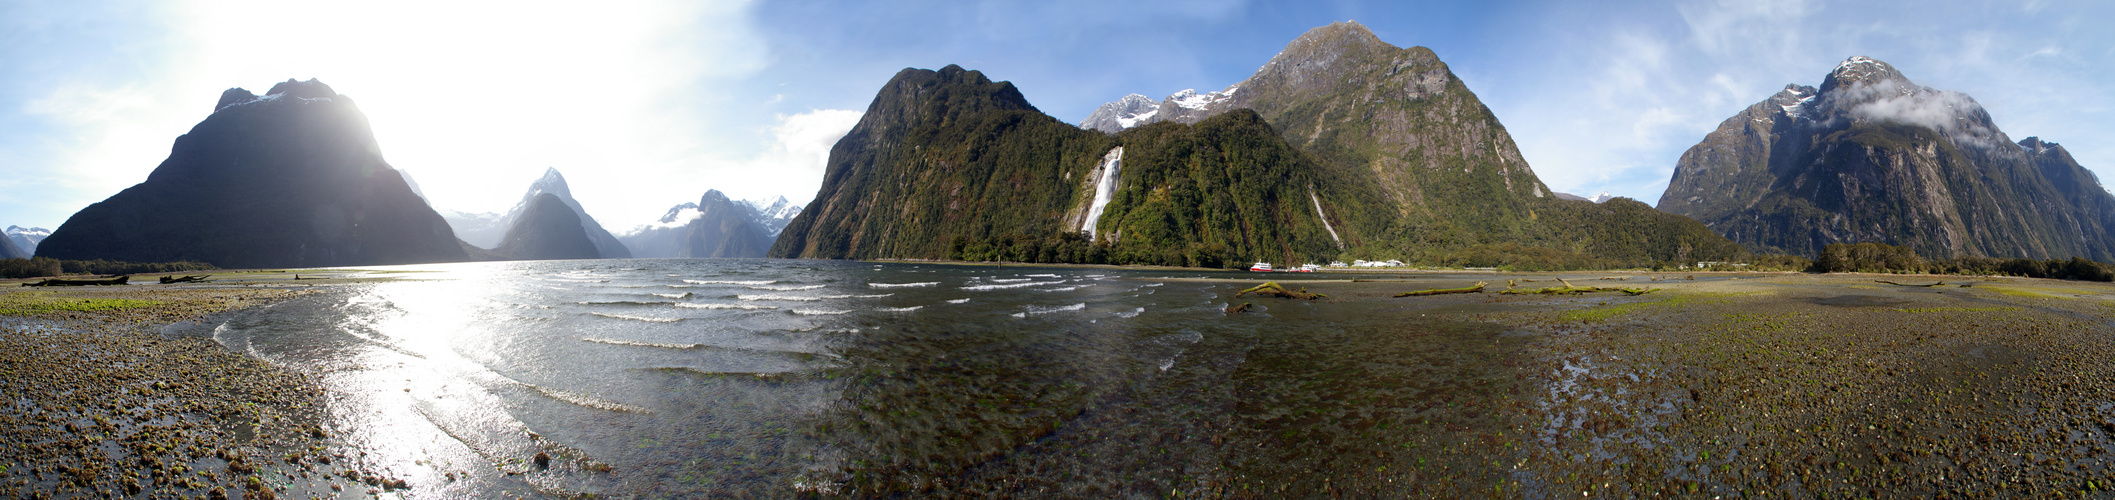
(88, 282)
(1443, 291)
(1272, 289)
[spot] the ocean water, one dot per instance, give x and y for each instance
(670, 378)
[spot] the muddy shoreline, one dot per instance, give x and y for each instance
(1755, 384)
(121, 391)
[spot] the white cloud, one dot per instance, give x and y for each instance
(800, 148)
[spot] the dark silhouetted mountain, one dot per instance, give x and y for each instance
(1340, 145)
(714, 227)
(480, 229)
(290, 179)
(547, 229)
(1872, 157)
(27, 238)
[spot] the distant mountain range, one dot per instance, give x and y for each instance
(1872, 157)
(1340, 145)
(714, 227)
(293, 178)
(487, 230)
(25, 239)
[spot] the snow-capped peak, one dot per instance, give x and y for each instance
(1602, 198)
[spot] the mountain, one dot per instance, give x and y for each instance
(1599, 198)
(547, 228)
(950, 164)
(1134, 110)
(1341, 145)
(774, 214)
(1871, 156)
(293, 178)
(482, 229)
(27, 238)
(486, 230)
(8, 250)
(714, 227)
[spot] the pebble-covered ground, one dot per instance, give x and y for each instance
(1784, 385)
(104, 399)
(1763, 385)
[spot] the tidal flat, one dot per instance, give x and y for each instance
(1723, 385)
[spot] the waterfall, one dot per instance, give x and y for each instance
(1324, 217)
(1104, 188)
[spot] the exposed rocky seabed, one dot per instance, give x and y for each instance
(1724, 385)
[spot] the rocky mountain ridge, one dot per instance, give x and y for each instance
(1871, 156)
(27, 238)
(713, 227)
(292, 178)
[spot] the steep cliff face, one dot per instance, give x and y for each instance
(1350, 99)
(290, 179)
(547, 229)
(1872, 156)
(941, 154)
(1399, 122)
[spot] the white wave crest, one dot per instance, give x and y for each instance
(1037, 311)
(981, 288)
(787, 288)
(903, 285)
(637, 318)
(683, 295)
(729, 282)
(899, 309)
(819, 312)
(959, 301)
(725, 306)
(640, 344)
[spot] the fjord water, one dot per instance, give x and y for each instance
(658, 377)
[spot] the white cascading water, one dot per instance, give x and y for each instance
(1104, 188)
(1324, 217)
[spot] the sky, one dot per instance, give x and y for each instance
(646, 104)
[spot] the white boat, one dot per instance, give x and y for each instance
(1308, 268)
(1261, 267)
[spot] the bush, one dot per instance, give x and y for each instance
(38, 267)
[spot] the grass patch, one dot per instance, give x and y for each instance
(28, 303)
(1956, 309)
(2021, 292)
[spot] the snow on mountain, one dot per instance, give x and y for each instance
(774, 214)
(1600, 198)
(1137, 110)
(27, 238)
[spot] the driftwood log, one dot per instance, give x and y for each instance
(1272, 289)
(1443, 291)
(81, 282)
(187, 279)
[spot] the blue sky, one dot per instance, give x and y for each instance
(647, 104)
